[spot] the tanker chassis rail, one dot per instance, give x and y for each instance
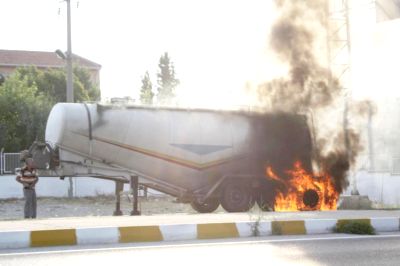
(206, 199)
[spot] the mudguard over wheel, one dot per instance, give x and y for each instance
(237, 196)
(210, 205)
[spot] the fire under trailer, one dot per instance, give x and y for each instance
(203, 157)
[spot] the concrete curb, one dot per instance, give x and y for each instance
(156, 233)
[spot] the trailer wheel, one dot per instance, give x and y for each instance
(210, 205)
(237, 196)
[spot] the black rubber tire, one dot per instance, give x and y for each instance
(210, 205)
(237, 196)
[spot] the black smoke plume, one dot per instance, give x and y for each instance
(309, 87)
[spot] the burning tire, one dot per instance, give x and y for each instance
(210, 205)
(237, 196)
(311, 198)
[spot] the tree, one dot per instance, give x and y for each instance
(167, 82)
(2, 79)
(26, 98)
(52, 82)
(146, 92)
(82, 76)
(23, 113)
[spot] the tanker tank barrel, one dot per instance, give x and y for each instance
(220, 161)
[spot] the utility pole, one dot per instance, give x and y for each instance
(339, 60)
(70, 83)
(338, 40)
(370, 138)
(354, 189)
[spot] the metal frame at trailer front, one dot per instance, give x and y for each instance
(8, 167)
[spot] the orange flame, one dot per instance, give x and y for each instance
(297, 183)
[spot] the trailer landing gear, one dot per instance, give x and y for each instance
(135, 188)
(119, 186)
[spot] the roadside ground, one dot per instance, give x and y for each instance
(51, 207)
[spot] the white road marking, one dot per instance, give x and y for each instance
(162, 245)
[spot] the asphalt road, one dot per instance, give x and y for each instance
(292, 250)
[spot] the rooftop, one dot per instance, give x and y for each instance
(41, 59)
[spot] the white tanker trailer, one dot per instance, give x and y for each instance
(202, 157)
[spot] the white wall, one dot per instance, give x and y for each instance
(382, 188)
(54, 187)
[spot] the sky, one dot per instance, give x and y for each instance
(218, 47)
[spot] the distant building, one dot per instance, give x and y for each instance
(12, 59)
(387, 10)
(122, 100)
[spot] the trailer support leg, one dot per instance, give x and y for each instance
(135, 189)
(145, 192)
(119, 186)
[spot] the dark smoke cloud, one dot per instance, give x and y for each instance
(309, 86)
(338, 160)
(364, 108)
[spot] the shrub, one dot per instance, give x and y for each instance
(361, 227)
